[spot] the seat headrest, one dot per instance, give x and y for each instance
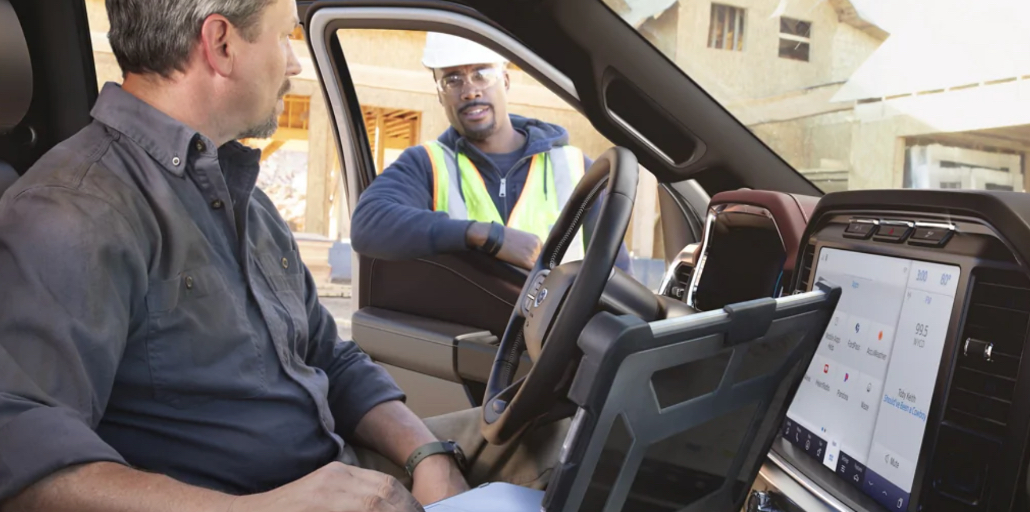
(15, 69)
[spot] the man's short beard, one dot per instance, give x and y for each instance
(266, 128)
(263, 130)
(479, 134)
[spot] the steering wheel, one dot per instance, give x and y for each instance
(557, 301)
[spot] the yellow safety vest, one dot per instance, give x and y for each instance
(459, 190)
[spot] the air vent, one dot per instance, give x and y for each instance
(680, 280)
(807, 258)
(684, 273)
(990, 349)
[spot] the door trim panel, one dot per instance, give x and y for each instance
(419, 344)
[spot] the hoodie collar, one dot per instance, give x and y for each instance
(540, 136)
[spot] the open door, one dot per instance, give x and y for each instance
(434, 322)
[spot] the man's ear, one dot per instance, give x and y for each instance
(507, 80)
(217, 36)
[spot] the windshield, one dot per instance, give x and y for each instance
(863, 94)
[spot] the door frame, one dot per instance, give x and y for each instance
(358, 164)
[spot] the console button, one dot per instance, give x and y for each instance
(930, 236)
(860, 230)
(893, 231)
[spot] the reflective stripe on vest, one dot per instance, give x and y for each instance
(459, 190)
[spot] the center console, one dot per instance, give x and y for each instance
(914, 399)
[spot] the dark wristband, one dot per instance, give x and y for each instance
(494, 240)
(449, 447)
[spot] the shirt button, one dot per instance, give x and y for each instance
(286, 262)
(200, 146)
(189, 282)
(176, 161)
(217, 204)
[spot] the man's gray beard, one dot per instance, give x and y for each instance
(263, 130)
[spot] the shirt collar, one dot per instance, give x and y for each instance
(240, 165)
(165, 139)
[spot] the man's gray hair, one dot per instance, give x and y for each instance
(157, 36)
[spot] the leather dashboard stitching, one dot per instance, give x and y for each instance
(804, 215)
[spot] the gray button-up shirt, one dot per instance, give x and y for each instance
(154, 311)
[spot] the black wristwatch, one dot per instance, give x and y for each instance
(434, 448)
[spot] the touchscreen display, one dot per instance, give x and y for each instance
(862, 406)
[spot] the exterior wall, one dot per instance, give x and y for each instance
(851, 47)
(758, 71)
(829, 141)
(785, 138)
(867, 148)
(810, 143)
(977, 170)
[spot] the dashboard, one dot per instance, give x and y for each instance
(747, 256)
(916, 398)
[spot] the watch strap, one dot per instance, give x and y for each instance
(435, 448)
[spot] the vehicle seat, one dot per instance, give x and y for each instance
(15, 84)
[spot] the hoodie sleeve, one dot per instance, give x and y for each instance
(622, 260)
(394, 219)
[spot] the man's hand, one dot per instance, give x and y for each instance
(437, 478)
(335, 487)
(519, 248)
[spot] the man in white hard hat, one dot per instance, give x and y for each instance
(488, 183)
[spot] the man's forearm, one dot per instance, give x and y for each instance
(391, 429)
(384, 229)
(111, 487)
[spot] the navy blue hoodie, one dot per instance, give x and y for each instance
(394, 219)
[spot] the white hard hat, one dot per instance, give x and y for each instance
(447, 51)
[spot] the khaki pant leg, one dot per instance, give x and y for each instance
(527, 460)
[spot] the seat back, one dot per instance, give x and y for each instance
(679, 414)
(15, 82)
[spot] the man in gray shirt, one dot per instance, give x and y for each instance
(162, 346)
